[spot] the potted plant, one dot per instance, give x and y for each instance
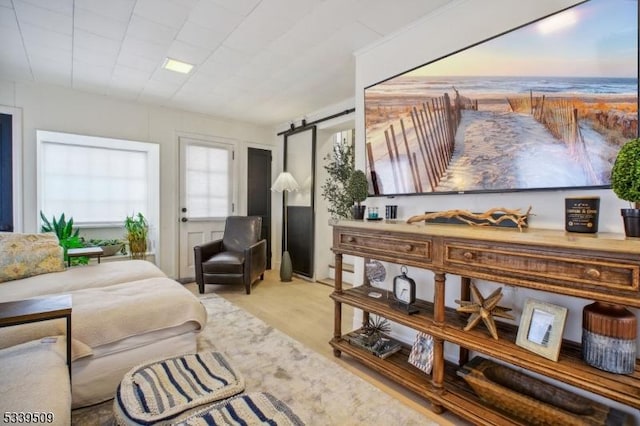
(625, 182)
(67, 236)
(340, 167)
(358, 191)
(137, 230)
(109, 246)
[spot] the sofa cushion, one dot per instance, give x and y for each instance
(34, 379)
(99, 275)
(26, 255)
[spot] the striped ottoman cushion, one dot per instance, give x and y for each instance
(158, 391)
(257, 408)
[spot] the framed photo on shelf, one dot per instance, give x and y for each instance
(541, 328)
(421, 355)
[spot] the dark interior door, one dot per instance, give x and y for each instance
(6, 174)
(259, 195)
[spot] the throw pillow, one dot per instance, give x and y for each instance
(25, 255)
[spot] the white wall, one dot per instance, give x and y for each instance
(457, 25)
(58, 109)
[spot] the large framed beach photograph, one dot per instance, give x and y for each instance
(544, 106)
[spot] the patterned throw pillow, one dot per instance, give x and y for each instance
(25, 255)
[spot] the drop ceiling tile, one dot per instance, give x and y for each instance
(144, 29)
(197, 35)
(162, 12)
(385, 20)
(49, 59)
(95, 57)
(242, 7)
(61, 6)
(83, 71)
(163, 76)
(209, 15)
(119, 10)
(8, 19)
(101, 45)
(43, 18)
(124, 76)
(223, 57)
(145, 49)
(6, 3)
(188, 53)
(38, 37)
(131, 60)
(101, 25)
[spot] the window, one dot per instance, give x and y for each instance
(97, 181)
(208, 180)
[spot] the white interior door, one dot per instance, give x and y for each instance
(206, 196)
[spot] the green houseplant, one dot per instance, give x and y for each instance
(340, 167)
(67, 236)
(358, 191)
(137, 229)
(625, 182)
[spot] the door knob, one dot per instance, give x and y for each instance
(184, 219)
(184, 210)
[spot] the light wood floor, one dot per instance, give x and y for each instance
(304, 311)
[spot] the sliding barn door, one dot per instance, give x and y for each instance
(299, 148)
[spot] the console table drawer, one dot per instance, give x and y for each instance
(384, 246)
(549, 267)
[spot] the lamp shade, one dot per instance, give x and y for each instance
(285, 182)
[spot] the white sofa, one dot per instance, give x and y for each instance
(123, 314)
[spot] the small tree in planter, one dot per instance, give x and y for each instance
(137, 230)
(625, 182)
(335, 190)
(358, 190)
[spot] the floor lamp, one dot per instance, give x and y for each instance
(284, 183)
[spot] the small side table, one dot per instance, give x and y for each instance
(86, 251)
(39, 309)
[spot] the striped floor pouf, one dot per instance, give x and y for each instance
(257, 408)
(157, 392)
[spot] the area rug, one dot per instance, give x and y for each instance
(319, 391)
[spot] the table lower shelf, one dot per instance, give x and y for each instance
(456, 396)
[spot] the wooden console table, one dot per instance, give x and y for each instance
(603, 267)
(39, 309)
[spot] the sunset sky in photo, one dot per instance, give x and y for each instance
(594, 39)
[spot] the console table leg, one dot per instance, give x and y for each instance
(437, 373)
(337, 319)
(465, 294)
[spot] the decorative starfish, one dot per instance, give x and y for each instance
(484, 309)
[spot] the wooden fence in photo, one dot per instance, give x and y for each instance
(560, 117)
(423, 139)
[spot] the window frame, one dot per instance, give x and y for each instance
(151, 149)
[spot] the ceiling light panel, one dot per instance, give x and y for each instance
(177, 66)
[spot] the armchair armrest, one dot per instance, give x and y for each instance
(255, 260)
(208, 249)
(203, 252)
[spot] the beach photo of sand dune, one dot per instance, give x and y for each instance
(540, 107)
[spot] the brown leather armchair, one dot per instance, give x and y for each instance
(240, 257)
